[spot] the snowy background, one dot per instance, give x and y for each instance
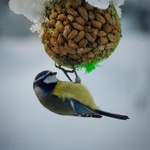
(121, 84)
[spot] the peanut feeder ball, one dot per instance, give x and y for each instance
(80, 33)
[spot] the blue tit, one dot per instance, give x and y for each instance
(67, 98)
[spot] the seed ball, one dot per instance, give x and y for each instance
(80, 33)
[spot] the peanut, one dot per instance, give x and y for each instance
(68, 49)
(59, 26)
(110, 45)
(107, 28)
(115, 24)
(90, 55)
(72, 34)
(84, 58)
(101, 33)
(77, 26)
(58, 7)
(67, 4)
(47, 35)
(87, 49)
(79, 36)
(101, 47)
(83, 13)
(70, 18)
(79, 51)
(91, 15)
(88, 7)
(109, 51)
(72, 12)
(66, 22)
(67, 30)
(56, 49)
(55, 33)
(94, 45)
(76, 4)
(112, 38)
(61, 17)
(53, 41)
(83, 43)
(51, 53)
(96, 24)
(115, 33)
(103, 54)
(94, 32)
(100, 18)
(89, 28)
(109, 10)
(62, 50)
(74, 57)
(103, 40)
(79, 20)
(89, 37)
(60, 39)
(50, 23)
(53, 15)
(108, 18)
(100, 11)
(72, 44)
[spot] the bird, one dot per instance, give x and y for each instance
(67, 98)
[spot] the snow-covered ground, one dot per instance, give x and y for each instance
(121, 84)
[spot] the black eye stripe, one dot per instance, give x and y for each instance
(44, 74)
(50, 74)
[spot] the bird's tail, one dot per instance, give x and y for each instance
(117, 116)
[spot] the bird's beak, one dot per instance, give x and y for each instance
(54, 73)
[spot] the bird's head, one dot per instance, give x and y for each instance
(44, 81)
(46, 77)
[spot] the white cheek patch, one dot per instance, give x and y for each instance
(50, 79)
(39, 92)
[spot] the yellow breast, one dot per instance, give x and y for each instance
(75, 91)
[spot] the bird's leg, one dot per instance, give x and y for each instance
(65, 71)
(77, 78)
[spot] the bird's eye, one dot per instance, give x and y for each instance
(50, 74)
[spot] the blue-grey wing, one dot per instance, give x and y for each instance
(81, 110)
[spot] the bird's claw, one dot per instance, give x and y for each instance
(77, 78)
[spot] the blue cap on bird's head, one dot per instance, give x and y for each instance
(44, 74)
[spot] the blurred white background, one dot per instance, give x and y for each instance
(121, 84)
